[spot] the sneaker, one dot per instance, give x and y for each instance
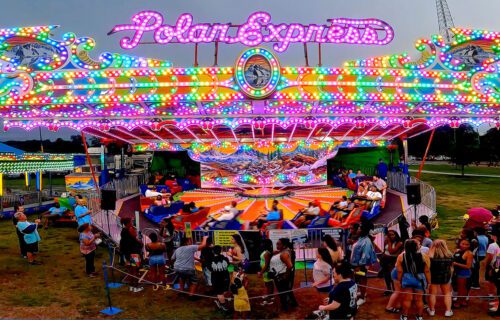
(403, 317)
(219, 305)
(448, 314)
(360, 302)
(492, 309)
(91, 275)
(263, 303)
(431, 312)
(138, 289)
(419, 318)
(475, 287)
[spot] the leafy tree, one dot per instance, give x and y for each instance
(490, 146)
(465, 146)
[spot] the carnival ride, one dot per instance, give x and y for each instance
(294, 119)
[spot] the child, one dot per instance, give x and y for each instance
(220, 276)
(241, 301)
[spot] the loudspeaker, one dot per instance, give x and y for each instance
(413, 193)
(108, 199)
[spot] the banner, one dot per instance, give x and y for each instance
(294, 164)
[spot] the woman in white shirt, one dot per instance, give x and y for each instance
(322, 271)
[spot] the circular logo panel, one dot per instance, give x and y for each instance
(257, 73)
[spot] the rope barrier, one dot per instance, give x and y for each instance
(287, 291)
(198, 294)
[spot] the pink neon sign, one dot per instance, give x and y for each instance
(258, 29)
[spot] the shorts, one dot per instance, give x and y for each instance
(187, 276)
(441, 278)
(463, 273)
(220, 284)
(487, 275)
(394, 274)
(207, 274)
(156, 260)
(325, 289)
(32, 247)
(418, 283)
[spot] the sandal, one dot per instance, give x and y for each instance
(393, 310)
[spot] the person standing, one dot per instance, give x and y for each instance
(82, 213)
(323, 271)
(88, 247)
(167, 232)
(30, 236)
(156, 252)
(239, 291)
(265, 260)
(281, 266)
(333, 248)
(206, 256)
(392, 248)
(441, 270)
(462, 264)
(20, 235)
(414, 275)
(184, 269)
(480, 255)
(220, 277)
(238, 252)
(341, 302)
(493, 268)
(363, 255)
(131, 249)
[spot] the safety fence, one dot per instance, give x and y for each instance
(24, 198)
(125, 186)
(397, 181)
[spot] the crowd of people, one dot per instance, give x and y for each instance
(417, 270)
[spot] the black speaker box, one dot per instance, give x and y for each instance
(108, 199)
(413, 193)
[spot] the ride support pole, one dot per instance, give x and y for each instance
(425, 154)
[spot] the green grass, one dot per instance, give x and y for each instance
(455, 194)
(18, 183)
(472, 169)
(60, 289)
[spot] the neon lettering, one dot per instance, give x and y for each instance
(258, 29)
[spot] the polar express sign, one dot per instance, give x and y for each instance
(257, 30)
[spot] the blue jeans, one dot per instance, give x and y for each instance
(208, 276)
(156, 260)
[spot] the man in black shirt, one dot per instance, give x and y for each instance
(220, 276)
(342, 299)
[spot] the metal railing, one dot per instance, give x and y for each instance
(397, 181)
(124, 187)
(24, 198)
(428, 194)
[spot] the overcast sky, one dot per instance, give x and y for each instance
(411, 19)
